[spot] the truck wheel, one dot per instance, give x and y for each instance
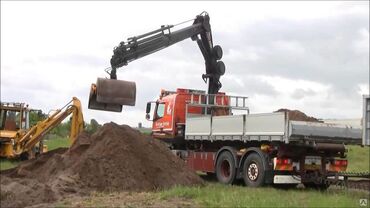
(225, 168)
(253, 171)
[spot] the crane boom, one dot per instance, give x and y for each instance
(139, 46)
(111, 94)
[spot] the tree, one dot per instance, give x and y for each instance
(62, 130)
(36, 116)
(93, 126)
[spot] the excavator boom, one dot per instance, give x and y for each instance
(35, 134)
(111, 94)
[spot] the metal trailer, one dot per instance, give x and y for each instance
(265, 148)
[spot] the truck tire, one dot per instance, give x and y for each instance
(225, 168)
(253, 171)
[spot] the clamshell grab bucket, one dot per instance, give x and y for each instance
(111, 94)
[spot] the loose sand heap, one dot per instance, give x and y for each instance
(296, 115)
(116, 158)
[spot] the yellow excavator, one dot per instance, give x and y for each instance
(19, 140)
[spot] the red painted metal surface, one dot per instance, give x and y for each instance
(201, 161)
(175, 108)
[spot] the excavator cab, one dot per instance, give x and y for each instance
(14, 116)
(14, 121)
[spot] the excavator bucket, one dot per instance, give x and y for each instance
(111, 94)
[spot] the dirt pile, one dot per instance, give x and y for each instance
(115, 158)
(296, 115)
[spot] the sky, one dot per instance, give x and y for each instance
(309, 56)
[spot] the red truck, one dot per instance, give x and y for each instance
(215, 133)
(258, 148)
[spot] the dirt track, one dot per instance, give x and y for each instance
(116, 158)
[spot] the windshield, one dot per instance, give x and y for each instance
(9, 120)
(160, 110)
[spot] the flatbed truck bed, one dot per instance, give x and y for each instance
(271, 127)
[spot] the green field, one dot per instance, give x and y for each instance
(218, 195)
(358, 158)
(7, 164)
(215, 195)
(57, 142)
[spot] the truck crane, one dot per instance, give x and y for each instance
(17, 139)
(111, 94)
(202, 128)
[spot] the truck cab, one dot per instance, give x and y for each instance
(170, 110)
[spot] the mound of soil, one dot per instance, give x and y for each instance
(296, 115)
(116, 158)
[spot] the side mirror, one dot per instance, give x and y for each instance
(148, 105)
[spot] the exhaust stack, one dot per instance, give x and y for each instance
(111, 94)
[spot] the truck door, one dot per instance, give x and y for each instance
(162, 119)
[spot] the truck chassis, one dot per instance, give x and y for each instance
(263, 148)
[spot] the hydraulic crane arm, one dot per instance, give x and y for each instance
(142, 45)
(36, 133)
(111, 94)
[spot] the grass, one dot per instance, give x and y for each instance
(216, 195)
(56, 143)
(7, 164)
(358, 158)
